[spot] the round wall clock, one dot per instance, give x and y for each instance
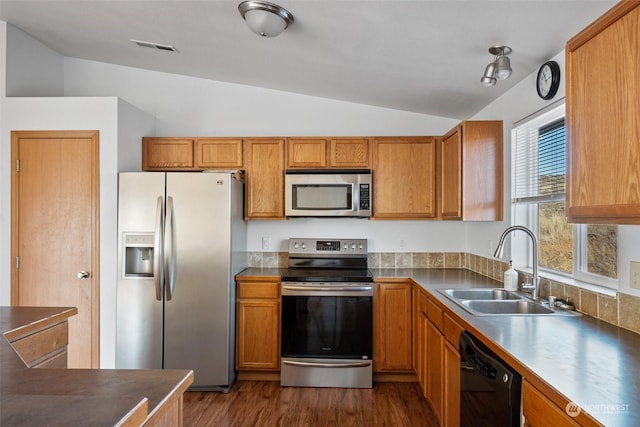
(548, 80)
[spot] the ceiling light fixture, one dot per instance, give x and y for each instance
(500, 68)
(264, 18)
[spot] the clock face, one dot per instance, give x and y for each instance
(548, 80)
(544, 80)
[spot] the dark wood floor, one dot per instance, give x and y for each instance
(265, 403)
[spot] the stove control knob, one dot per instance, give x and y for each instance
(353, 246)
(361, 246)
(304, 246)
(346, 246)
(295, 245)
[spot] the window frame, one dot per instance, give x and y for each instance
(524, 210)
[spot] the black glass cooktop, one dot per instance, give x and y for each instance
(327, 275)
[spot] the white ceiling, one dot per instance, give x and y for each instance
(425, 56)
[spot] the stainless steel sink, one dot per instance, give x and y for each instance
(500, 302)
(507, 307)
(481, 294)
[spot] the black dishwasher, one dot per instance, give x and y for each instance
(490, 389)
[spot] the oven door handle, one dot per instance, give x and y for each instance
(328, 365)
(328, 288)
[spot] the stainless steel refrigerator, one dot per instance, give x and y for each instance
(181, 240)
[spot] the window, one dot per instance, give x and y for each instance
(586, 252)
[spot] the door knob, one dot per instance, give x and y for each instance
(83, 274)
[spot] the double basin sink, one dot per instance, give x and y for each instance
(500, 302)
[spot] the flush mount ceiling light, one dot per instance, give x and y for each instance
(264, 18)
(500, 68)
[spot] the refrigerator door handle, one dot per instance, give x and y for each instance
(158, 269)
(169, 253)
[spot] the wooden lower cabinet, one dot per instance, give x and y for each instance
(539, 411)
(44, 348)
(451, 395)
(436, 359)
(258, 325)
(435, 369)
(392, 327)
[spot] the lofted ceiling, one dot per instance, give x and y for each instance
(424, 56)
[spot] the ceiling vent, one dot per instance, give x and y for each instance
(155, 45)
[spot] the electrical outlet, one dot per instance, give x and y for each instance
(634, 273)
(266, 243)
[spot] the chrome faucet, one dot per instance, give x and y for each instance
(535, 286)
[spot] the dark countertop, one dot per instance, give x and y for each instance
(65, 397)
(588, 361)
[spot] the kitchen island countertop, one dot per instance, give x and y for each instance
(65, 397)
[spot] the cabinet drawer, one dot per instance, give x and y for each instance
(260, 290)
(452, 330)
(55, 361)
(422, 303)
(36, 348)
(435, 314)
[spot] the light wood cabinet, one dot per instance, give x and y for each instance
(264, 190)
(603, 119)
(404, 178)
(163, 154)
(318, 153)
(392, 327)
(306, 153)
(539, 411)
(435, 365)
(451, 395)
(258, 325)
(470, 175)
(437, 360)
(349, 153)
(219, 153)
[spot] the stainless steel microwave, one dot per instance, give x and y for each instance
(328, 193)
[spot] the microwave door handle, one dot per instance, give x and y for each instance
(158, 267)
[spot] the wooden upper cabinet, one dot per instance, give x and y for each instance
(404, 177)
(470, 167)
(338, 153)
(306, 153)
(603, 119)
(167, 154)
(264, 189)
(219, 153)
(349, 153)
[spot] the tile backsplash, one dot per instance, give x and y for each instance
(621, 310)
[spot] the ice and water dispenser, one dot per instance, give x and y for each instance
(138, 254)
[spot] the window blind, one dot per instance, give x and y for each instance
(539, 158)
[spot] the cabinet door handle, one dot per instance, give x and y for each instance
(83, 274)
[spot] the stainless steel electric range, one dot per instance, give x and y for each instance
(327, 320)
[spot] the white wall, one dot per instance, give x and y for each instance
(102, 114)
(33, 68)
(191, 106)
